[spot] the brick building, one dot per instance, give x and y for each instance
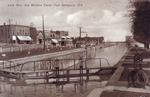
(17, 34)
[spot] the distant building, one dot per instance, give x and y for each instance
(56, 38)
(17, 34)
(78, 42)
(33, 34)
(58, 34)
(62, 38)
(40, 37)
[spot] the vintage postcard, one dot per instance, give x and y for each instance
(74, 48)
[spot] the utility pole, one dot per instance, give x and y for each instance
(86, 51)
(80, 29)
(9, 32)
(86, 46)
(44, 46)
(9, 21)
(80, 32)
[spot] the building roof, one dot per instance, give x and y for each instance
(54, 41)
(17, 25)
(24, 38)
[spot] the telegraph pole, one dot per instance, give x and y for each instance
(9, 31)
(80, 29)
(86, 50)
(44, 46)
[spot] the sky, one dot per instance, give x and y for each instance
(108, 18)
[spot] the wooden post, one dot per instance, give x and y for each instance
(57, 76)
(87, 73)
(75, 87)
(62, 88)
(47, 79)
(81, 74)
(3, 64)
(68, 79)
(10, 66)
(34, 66)
(100, 62)
(74, 64)
(100, 81)
(81, 79)
(0, 89)
(14, 67)
(50, 67)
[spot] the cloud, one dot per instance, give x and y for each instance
(112, 25)
(96, 17)
(112, 34)
(109, 17)
(83, 17)
(58, 13)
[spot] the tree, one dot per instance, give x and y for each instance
(141, 21)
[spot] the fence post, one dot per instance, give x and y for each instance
(57, 76)
(87, 73)
(100, 62)
(74, 64)
(68, 76)
(34, 66)
(81, 79)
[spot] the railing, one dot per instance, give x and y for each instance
(52, 71)
(22, 47)
(52, 63)
(6, 64)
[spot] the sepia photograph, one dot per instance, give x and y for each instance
(74, 48)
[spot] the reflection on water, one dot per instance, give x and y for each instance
(112, 54)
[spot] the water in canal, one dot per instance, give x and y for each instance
(111, 54)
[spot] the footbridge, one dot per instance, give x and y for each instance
(57, 71)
